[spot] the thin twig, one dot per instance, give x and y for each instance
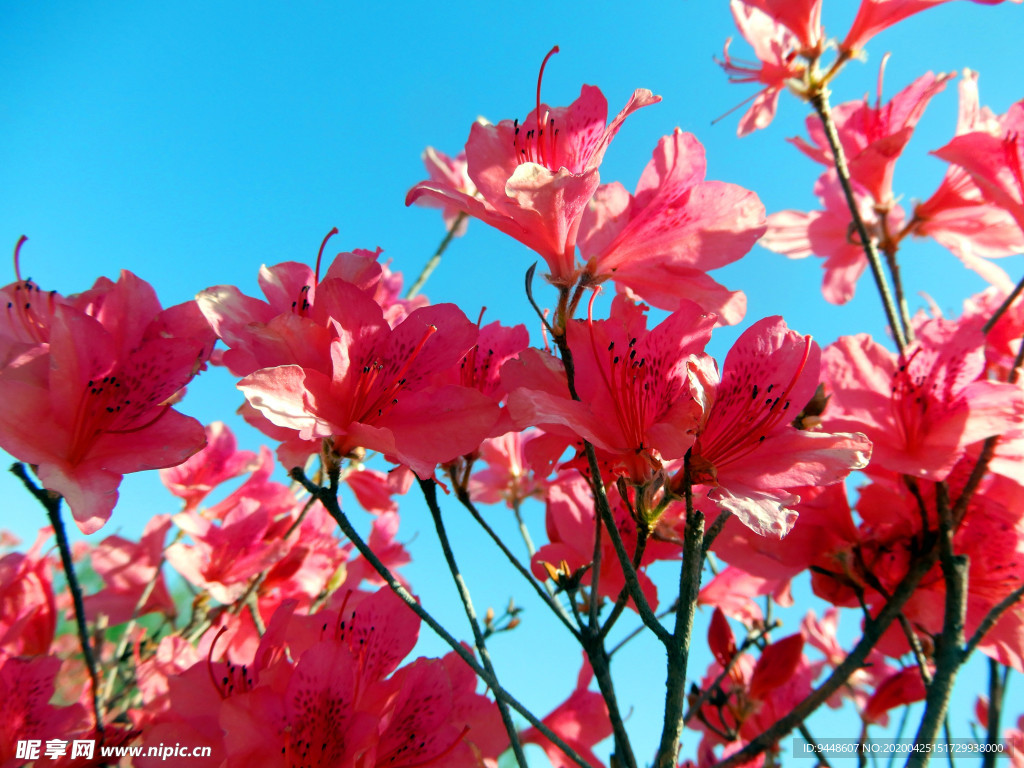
(819, 100)
(547, 597)
(1007, 303)
(51, 503)
(679, 649)
(431, 265)
(429, 488)
(330, 503)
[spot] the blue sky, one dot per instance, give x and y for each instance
(190, 142)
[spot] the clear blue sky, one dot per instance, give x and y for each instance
(190, 142)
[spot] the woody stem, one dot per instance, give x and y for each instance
(819, 100)
(330, 503)
(51, 503)
(679, 649)
(429, 488)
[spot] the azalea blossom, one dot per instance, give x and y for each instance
(995, 161)
(776, 48)
(923, 409)
(747, 451)
(873, 137)
(875, 15)
(94, 403)
(451, 172)
(829, 234)
(958, 215)
(659, 243)
(635, 404)
(534, 178)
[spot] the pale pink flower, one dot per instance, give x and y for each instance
(995, 161)
(659, 243)
(873, 137)
(218, 462)
(127, 569)
(535, 178)
(777, 49)
(829, 234)
(451, 173)
(875, 15)
(957, 215)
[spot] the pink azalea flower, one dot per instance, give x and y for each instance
(776, 48)
(511, 476)
(451, 173)
(660, 243)
(581, 721)
(30, 715)
(127, 569)
(375, 392)
(28, 610)
(875, 15)
(93, 404)
(636, 407)
(801, 17)
(733, 591)
(921, 411)
(829, 234)
(570, 524)
(535, 178)
(218, 462)
(957, 215)
(747, 451)
(995, 161)
(873, 137)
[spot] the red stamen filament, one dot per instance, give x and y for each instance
(387, 395)
(320, 254)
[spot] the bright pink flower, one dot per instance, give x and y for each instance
(995, 161)
(94, 404)
(127, 569)
(510, 477)
(747, 451)
(921, 411)
(829, 234)
(635, 403)
(451, 173)
(28, 610)
(570, 524)
(776, 48)
(29, 714)
(957, 215)
(873, 137)
(875, 15)
(218, 462)
(375, 393)
(660, 243)
(581, 721)
(733, 591)
(224, 557)
(535, 178)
